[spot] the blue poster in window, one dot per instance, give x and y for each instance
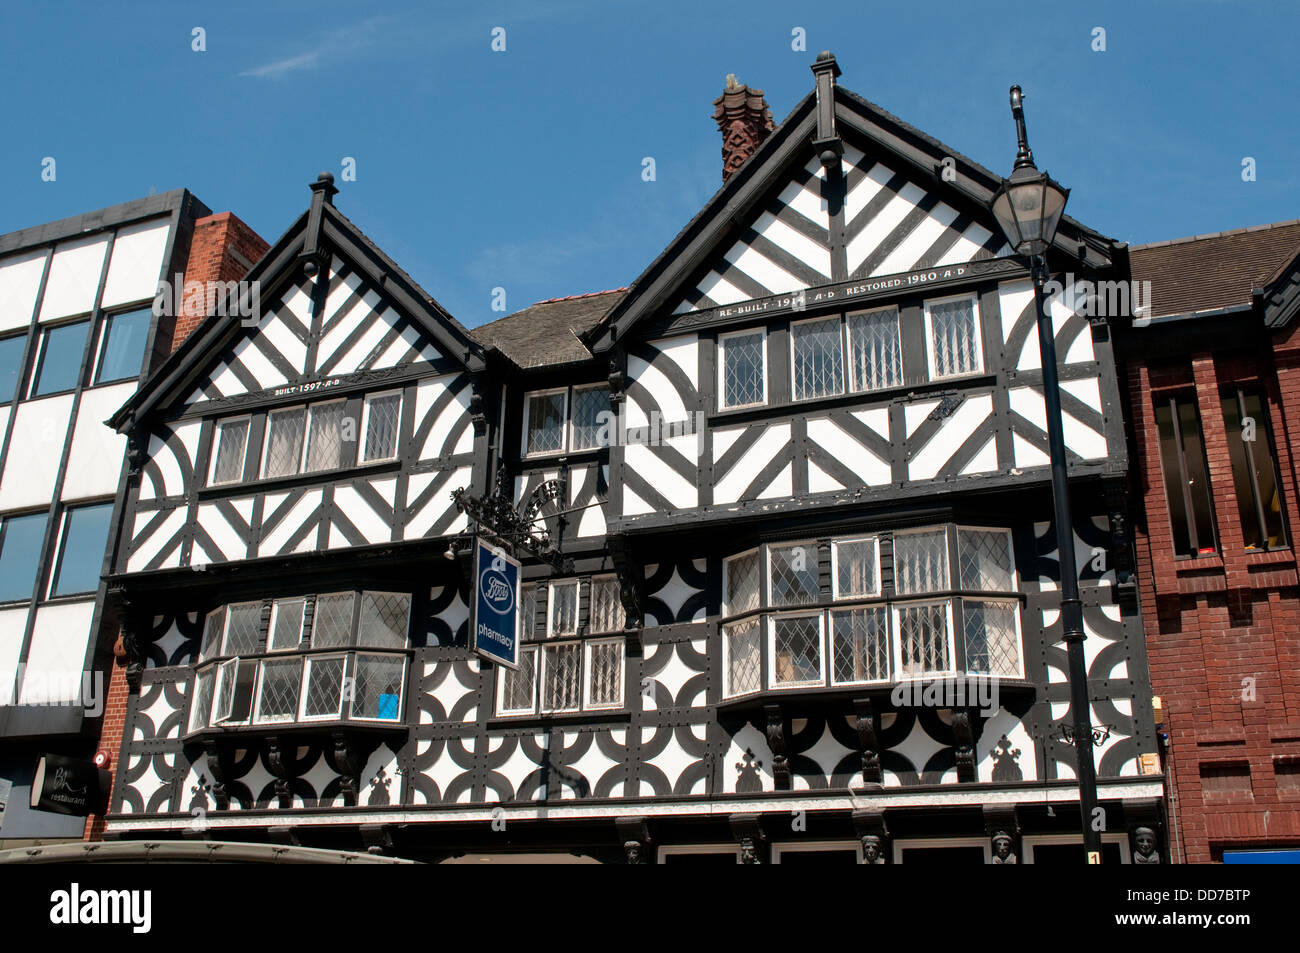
(496, 605)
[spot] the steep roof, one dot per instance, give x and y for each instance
(546, 333)
(1214, 271)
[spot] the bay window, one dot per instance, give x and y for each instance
(566, 420)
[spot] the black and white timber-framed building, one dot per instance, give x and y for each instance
(827, 490)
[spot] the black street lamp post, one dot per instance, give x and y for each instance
(1029, 207)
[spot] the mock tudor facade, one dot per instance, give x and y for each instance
(825, 501)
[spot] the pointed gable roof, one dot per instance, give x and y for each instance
(358, 272)
(768, 231)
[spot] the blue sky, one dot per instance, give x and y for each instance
(522, 168)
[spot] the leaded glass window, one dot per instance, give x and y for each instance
(875, 350)
(818, 358)
(954, 337)
(744, 375)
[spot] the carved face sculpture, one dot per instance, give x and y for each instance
(633, 849)
(871, 849)
(1146, 841)
(1002, 846)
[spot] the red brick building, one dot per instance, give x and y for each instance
(1213, 369)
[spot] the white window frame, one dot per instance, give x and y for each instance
(211, 674)
(221, 637)
(844, 365)
(216, 448)
(225, 623)
(771, 620)
(848, 347)
(896, 641)
(604, 579)
(355, 658)
(312, 410)
(257, 699)
(830, 645)
(924, 842)
(727, 609)
(275, 616)
(550, 608)
(1020, 637)
(765, 597)
(571, 443)
(308, 661)
(728, 691)
(234, 664)
(502, 671)
(929, 336)
(1030, 841)
(365, 427)
(948, 560)
(528, 623)
(564, 424)
(541, 677)
(1011, 556)
(722, 367)
(836, 595)
(803, 847)
(588, 647)
(670, 850)
(266, 441)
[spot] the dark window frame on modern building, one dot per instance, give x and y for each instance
(70, 370)
(231, 683)
(21, 557)
(13, 348)
(123, 364)
(87, 579)
(1256, 480)
(1188, 525)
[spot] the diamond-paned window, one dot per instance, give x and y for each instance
(855, 568)
(818, 358)
(213, 627)
(202, 704)
(385, 620)
(228, 458)
(920, 562)
(242, 623)
(860, 645)
(561, 677)
(986, 560)
(922, 638)
(744, 380)
(875, 351)
(794, 578)
(377, 686)
(564, 608)
(383, 412)
(744, 657)
(796, 650)
(528, 612)
(286, 624)
(605, 674)
(332, 626)
(277, 695)
(325, 440)
(606, 606)
(234, 691)
(284, 433)
(954, 337)
(992, 642)
(545, 417)
(589, 404)
(742, 583)
(323, 697)
(518, 686)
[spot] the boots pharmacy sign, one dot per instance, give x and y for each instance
(496, 605)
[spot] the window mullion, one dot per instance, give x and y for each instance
(1182, 476)
(1249, 456)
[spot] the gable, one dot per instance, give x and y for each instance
(891, 225)
(353, 331)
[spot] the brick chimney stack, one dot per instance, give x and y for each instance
(223, 249)
(744, 120)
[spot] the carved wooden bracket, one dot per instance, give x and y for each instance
(219, 767)
(617, 379)
(1003, 827)
(873, 834)
(630, 584)
(868, 740)
(348, 762)
(749, 833)
(964, 736)
(634, 832)
(777, 742)
(279, 767)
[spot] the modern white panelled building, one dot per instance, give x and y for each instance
(77, 332)
(825, 504)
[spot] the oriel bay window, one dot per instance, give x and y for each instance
(953, 609)
(1254, 469)
(1187, 480)
(330, 657)
(576, 662)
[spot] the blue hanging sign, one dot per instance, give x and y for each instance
(496, 605)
